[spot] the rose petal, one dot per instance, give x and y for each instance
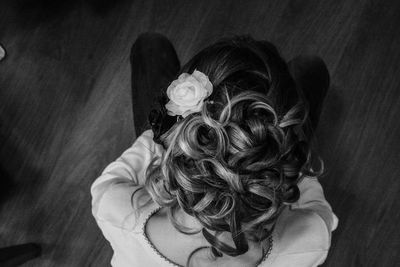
(201, 77)
(204, 80)
(185, 99)
(173, 109)
(183, 77)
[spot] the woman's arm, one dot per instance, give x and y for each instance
(123, 176)
(305, 234)
(312, 198)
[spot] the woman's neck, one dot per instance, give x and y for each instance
(193, 223)
(187, 220)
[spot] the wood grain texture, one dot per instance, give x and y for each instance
(65, 110)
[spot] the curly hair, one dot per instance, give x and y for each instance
(236, 164)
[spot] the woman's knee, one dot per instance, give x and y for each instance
(150, 41)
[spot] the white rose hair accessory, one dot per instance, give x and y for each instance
(187, 93)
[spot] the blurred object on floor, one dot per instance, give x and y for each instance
(17, 255)
(2, 52)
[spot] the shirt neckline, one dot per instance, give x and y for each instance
(171, 262)
(151, 245)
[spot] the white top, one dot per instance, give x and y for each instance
(301, 237)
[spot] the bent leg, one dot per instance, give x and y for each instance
(154, 64)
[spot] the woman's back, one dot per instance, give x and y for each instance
(177, 246)
(301, 236)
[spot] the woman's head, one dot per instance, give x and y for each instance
(236, 163)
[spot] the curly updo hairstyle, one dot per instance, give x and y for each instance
(235, 164)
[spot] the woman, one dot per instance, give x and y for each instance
(224, 176)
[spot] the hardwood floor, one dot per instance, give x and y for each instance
(65, 110)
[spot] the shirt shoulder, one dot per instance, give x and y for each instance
(146, 138)
(118, 195)
(302, 230)
(124, 206)
(301, 238)
(312, 198)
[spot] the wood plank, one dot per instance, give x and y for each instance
(65, 110)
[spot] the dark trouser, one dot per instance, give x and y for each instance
(155, 65)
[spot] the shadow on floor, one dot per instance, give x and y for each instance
(34, 12)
